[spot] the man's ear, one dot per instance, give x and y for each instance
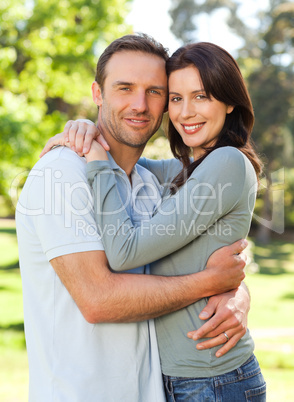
(97, 93)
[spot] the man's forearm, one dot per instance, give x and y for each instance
(104, 296)
(131, 297)
(152, 296)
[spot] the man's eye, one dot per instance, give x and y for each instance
(154, 92)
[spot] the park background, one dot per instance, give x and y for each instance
(48, 54)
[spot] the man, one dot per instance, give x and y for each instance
(72, 299)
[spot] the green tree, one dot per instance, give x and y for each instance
(272, 91)
(48, 52)
(267, 61)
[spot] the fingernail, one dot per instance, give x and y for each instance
(203, 315)
(244, 243)
(218, 354)
(199, 347)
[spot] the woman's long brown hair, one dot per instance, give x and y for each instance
(222, 79)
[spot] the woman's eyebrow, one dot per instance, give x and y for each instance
(193, 92)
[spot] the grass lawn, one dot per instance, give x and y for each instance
(270, 318)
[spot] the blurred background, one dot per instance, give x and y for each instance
(48, 54)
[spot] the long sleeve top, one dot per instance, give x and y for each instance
(212, 209)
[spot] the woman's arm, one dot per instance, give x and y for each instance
(165, 169)
(210, 193)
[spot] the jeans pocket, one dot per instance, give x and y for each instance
(256, 394)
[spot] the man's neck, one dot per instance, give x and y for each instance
(125, 156)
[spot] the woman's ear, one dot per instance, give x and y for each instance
(230, 108)
(97, 93)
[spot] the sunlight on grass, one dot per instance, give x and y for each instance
(10, 297)
(268, 308)
(9, 249)
(14, 375)
(279, 357)
(279, 385)
(272, 306)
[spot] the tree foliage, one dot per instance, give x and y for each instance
(48, 52)
(267, 61)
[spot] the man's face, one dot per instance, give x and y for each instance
(133, 99)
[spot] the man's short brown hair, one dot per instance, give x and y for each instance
(137, 43)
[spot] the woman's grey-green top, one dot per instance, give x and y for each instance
(212, 209)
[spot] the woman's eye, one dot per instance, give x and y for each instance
(200, 97)
(175, 99)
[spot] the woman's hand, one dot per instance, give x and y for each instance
(58, 139)
(96, 153)
(226, 313)
(77, 135)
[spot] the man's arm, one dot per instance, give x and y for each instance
(105, 296)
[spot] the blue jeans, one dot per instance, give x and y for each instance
(244, 384)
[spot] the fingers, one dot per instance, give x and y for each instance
(233, 335)
(211, 328)
(243, 257)
(208, 310)
(81, 135)
(77, 135)
(58, 139)
(225, 317)
(101, 140)
(239, 246)
(71, 132)
(231, 343)
(220, 339)
(66, 130)
(91, 134)
(215, 328)
(46, 148)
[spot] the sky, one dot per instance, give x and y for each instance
(151, 16)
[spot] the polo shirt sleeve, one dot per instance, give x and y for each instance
(60, 205)
(212, 191)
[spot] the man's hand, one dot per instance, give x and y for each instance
(228, 313)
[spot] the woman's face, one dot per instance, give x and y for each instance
(197, 118)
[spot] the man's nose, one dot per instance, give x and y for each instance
(139, 102)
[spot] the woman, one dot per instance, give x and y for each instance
(209, 205)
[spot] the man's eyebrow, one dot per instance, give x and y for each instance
(129, 84)
(160, 87)
(119, 83)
